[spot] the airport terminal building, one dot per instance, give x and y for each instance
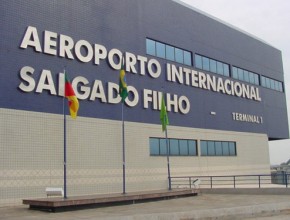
(224, 92)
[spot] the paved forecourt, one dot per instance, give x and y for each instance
(203, 206)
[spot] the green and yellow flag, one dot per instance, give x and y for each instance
(73, 102)
(123, 92)
(163, 115)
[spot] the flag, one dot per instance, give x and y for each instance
(72, 99)
(122, 83)
(163, 115)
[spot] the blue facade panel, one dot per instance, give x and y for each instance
(125, 25)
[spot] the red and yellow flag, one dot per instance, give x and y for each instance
(72, 99)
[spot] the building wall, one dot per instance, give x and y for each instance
(33, 159)
(125, 25)
(31, 135)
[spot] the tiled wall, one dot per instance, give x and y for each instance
(31, 155)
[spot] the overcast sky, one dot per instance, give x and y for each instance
(268, 20)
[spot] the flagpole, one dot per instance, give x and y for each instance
(73, 108)
(123, 93)
(64, 143)
(123, 149)
(168, 162)
(165, 122)
(64, 149)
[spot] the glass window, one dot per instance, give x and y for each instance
(272, 84)
(183, 147)
(280, 87)
(226, 70)
(160, 50)
(177, 147)
(256, 78)
(235, 73)
(232, 149)
(163, 147)
(246, 76)
(277, 85)
(203, 148)
(268, 84)
(240, 74)
(251, 77)
(225, 146)
(174, 148)
(218, 148)
(220, 68)
(154, 146)
(178, 55)
(212, 64)
(198, 61)
(192, 147)
(150, 47)
(263, 81)
(205, 63)
(210, 148)
(187, 58)
(169, 53)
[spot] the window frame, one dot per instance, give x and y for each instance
(168, 52)
(226, 148)
(211, 65)
(191, 147)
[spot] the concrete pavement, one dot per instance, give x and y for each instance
(203, 206)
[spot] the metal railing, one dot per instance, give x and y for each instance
(230, 181)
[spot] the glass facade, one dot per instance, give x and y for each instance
(218, 148)
(246, 76)
(184, 147)
(211, 65)
(160, 50)
(177, 147)
(168, 52)
(271, 84)
(150, 47)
